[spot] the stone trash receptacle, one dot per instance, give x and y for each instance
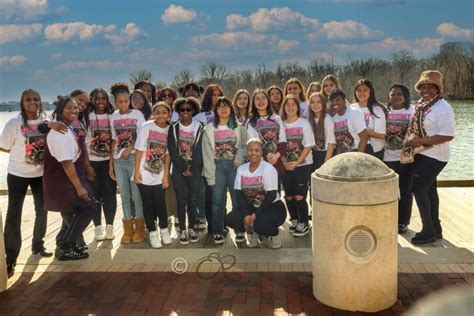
(355, 216)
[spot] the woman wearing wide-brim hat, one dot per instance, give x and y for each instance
(427, 144)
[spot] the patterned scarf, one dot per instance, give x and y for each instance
(416, 130)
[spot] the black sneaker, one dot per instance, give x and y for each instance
(218, 239)
(293, 225)
(183, 238)
(72, 254)
(301, 230)
(239, 237)
(421, 239)
(402, 229)
(10, 270)
(193, 237)
(200, 224)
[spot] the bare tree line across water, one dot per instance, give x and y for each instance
(403, 67)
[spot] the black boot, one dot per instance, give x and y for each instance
(423, 238)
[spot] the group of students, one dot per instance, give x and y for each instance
(151, 141)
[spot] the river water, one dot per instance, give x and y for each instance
(461, 165)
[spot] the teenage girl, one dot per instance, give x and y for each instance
(241, 105)
(99, 142)
(313, 87)
(140, 102)
(322, 126)
(151, 173)
(295, 87)
(124, 124)
(148, 89)
(276, 97)
(399, 115)
(374, 116)
(297, 161)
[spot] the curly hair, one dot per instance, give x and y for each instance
(119, 87)
(406, 95)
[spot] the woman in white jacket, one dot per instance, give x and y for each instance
(223, 152)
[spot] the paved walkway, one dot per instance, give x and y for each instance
(165, 293)
(135, 279)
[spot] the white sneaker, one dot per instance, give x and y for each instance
(99, 233)
(109, 232)
(275, 242)
(165, 236)
(253, 240)
(155, 241)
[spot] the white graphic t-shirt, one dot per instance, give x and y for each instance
(397, 126)
(99, 137)
(204, 117)
(256, 184)
(270, 130)
(153, 141)
(124, 130)
(225, 143)
(26, 146)
(187, 135)
(347, 128)
(376, 123)
(298, 136)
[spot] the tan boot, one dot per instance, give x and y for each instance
(127, 231)
(139, 234)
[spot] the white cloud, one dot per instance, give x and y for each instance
(177, 14)
(19, 32)
(284, 46)
(103, 64)
(143, 53)
(452, 30)
(348, 29)
(264, 20)
(12, 60)
(130, 33)
(66, 32)
(27, 10)
(420, 47)
(234, 39)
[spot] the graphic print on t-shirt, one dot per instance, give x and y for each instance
(253, 190)
(126, 131)
(34, 144)
(397, 125)
(268, 130)
(157, 144)
(344, 139)
(186, 141)
(79, 131)
(294, 143)
(225, 148)
(101, 137)
(367, 118)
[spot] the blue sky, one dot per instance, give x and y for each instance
(57, 46)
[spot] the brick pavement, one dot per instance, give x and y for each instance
(164, 293)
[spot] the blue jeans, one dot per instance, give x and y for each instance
(123, 172)
(225, 178)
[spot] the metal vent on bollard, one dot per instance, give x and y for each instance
(355, 213)
(360, 242)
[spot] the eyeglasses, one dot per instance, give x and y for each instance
(166, 95)
(182, 110)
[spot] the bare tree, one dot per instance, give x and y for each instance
(181, 78)
(213, 72)
(140, 75)
(403, 63)
(318, 69)
(263, 76)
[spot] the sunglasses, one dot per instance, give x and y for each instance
(182, 110)
(166, 95)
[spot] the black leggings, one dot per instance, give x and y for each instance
(105, 191)
(186, 198)
(405, 174)
(17, 187)
(154, 206)
(266, 222)
(425, 171)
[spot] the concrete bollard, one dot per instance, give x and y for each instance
(3, 263)
(355, 216)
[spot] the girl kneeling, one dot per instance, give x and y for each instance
(260, 210)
